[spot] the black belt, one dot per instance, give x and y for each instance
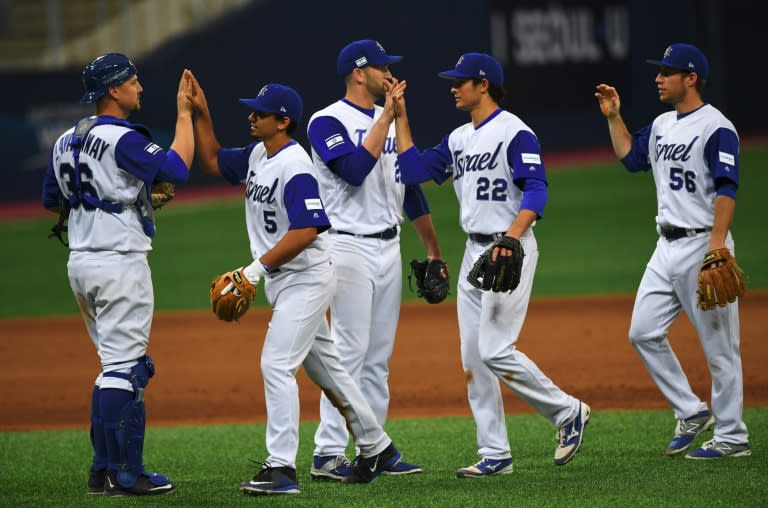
(387, 234)
(481, 238)
(677, 233)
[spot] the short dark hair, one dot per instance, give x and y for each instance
(291, 127)
(496, 92)
(700, 84)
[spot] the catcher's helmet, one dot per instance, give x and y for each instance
(105, 72)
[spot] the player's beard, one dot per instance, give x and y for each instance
(376, 90)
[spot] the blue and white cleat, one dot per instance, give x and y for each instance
(486, 467)
(571, 435)
(330, 467)
(718, 450)
(689, 429)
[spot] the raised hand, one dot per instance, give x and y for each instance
(608, 99)
(196, 95)
(183, 105)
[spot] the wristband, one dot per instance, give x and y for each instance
(254, 272)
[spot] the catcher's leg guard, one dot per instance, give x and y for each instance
(125, 423)
(98, 439)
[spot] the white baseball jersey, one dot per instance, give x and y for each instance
(483, 174)
(377, 203)
(687, 153)
(116, 162)
(281, 193)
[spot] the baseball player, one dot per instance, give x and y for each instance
(101, 170)
(693, 152)
(499, 179)
(284, 217)
(353, 150)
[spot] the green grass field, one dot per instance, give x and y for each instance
(622, 463)
(596, 236)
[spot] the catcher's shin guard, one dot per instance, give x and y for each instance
(98, 439)
(125, 422)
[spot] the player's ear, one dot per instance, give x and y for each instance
(284, 123)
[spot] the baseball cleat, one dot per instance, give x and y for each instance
(367, 469)
(330, 467)
(688, 430)
(96, 480)
(486, 467)
(400, 468)
(272, 480)
(571, 435)
(147, 484)
(718, 450)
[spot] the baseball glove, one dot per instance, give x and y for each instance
(721, 280)
(162, 192)
(231, 295)
(432, 280)
(502, 275)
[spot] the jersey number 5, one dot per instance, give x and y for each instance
(86, 175)
(496, 191)
(680, 178)
(270, 226)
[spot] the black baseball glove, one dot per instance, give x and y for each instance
(431, 279)
(502, 275)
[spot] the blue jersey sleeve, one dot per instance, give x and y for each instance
(524, 157)
(174, 169)
(722, 154)
(51, 190)
(534, 195)
(138, 155)
(329, 138)
(637, 158)
(431, 164)
(303, 204)
(233, 163)
(415, 202)
(352, 163)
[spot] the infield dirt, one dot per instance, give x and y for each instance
(208, 371)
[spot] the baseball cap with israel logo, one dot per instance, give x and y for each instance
(476, 65)
(685, 57)
(359, 54)
(278, 99)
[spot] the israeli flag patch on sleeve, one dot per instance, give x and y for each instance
(531, 158)
(334, 140)
(152, 148)
(313, 204)
(727, 158)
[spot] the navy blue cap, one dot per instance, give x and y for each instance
(278, 99)
(362, 53)
(686, 57)
(476, 65)
(105, 72)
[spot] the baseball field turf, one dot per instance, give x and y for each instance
(596, 237)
